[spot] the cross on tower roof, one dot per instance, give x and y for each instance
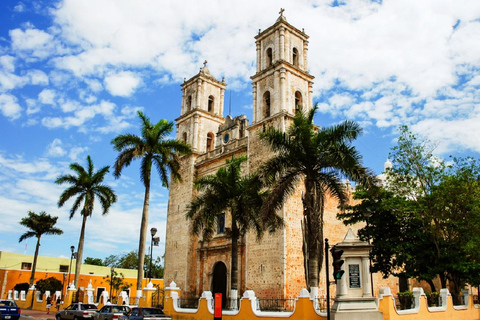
(205, 63)
(281, 11)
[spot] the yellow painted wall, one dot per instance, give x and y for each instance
(304, 309)
(12, 274)
(387, 306)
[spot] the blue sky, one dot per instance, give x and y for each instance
(74, 73)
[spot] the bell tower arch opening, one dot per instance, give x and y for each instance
(210, 141)
(266, 104)
(219, 281)
(295, 57)
(298, 102)
(211, 101)
(269, 57)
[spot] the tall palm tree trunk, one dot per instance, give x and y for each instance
(314, 218)
(78, 263)
(143, 235)
(234, 277)
(34, 266)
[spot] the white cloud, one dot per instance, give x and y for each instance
(7, 63)
(55, 149)
(382, 63)
(122, 84)
(47, 96)
(81, 114)
(17, 164)
(37, 77)
(75, 152)
(37, 43)
(94, 85)
(9, 106)
(19, 7)
(32, 106)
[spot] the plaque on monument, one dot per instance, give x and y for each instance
(354, 276)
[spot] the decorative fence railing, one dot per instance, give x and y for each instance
(434, 299)
(404, 302)
(76, 297)
(158, 298)
(458, 299)
(275, 304)
(190, 303)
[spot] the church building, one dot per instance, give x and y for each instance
(282, 86)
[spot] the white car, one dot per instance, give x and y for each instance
(77, 311)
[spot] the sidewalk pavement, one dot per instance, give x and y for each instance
(40, 315)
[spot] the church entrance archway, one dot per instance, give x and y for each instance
(219, 281)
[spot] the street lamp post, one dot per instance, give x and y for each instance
(112, 269)
(153, 232)
(70, 269)
(63, 284)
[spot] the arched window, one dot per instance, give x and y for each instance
(298, 101)
(209, 141)
(269, 57)
(221, 224)
(295, 57)
(184, 137)
(189, 103)
(266, 104)
(211, 99)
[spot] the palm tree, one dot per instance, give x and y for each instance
(152, 148)
(85, 185)
(241, 196)
(319, 159)
(39, 224)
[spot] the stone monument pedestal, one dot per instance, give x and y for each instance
(354, 300)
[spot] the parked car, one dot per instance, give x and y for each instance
(145, 314)
(111, 312)
(9, 310)
(77, 311)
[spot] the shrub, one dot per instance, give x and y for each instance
(21, 287)
(50, 284)
(406, 300)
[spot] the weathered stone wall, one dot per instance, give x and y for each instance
(178, 240)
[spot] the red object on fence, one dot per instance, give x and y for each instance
(217, 314)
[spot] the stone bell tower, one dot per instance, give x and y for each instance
(282, 86)
(202, 110)
(200, 118)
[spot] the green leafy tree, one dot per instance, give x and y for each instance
(454, 211)
(110, 261)
(129, 260)
(38, 225)
(94, 261)
(425, 224)
(24, 286)
(86, 185)
(320, 159)
(117, 282)
(395, 232)
(241, 196)
(153, 149)
(49, 284)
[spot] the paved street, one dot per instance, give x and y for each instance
(33, 314)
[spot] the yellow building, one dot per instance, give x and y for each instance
(16, 268)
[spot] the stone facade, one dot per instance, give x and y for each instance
(274, 266)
